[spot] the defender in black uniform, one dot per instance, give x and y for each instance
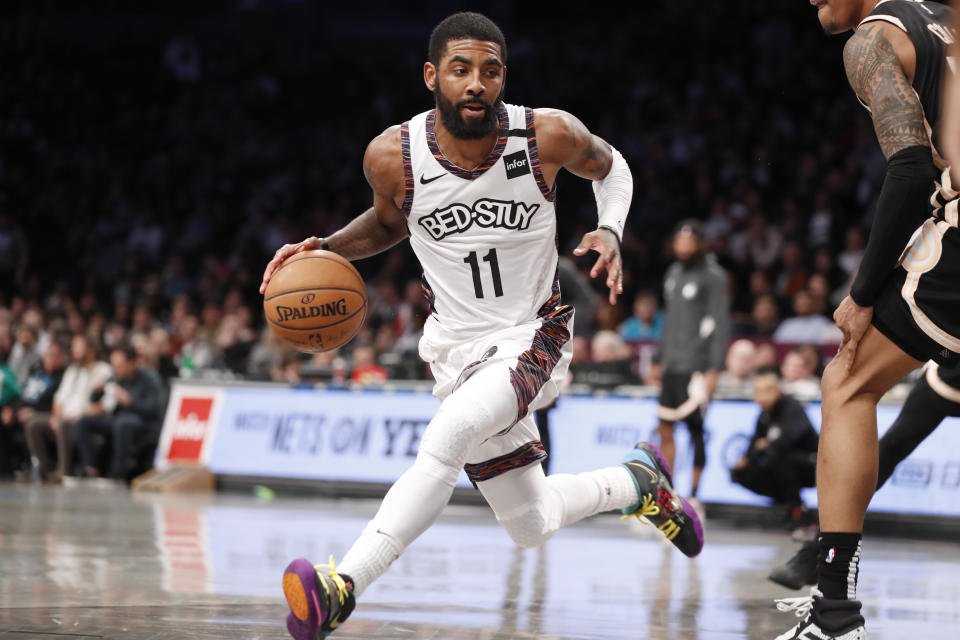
(902, 308)
(934, 397)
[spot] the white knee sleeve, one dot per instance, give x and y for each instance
(483, 405)
(453, 431)
(531, 507)
(533, 524)
(432, 465)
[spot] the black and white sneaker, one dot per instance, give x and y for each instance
(846, 623)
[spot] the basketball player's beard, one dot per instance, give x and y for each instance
(473, 129)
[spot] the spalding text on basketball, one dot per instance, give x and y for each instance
(337, 308)
(486, 212)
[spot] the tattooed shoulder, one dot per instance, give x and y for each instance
(876, 75)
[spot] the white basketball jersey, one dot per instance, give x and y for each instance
(486, 237)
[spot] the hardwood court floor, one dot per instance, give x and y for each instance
(83, 563)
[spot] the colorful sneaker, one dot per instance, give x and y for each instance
(320, 599)
(798, 571)
(659, 503)
(844, 616)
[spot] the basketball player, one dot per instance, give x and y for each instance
(696, 329)
(472, 182)
(902, 305)
(934, 397)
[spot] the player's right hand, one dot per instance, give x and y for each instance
(285, 252)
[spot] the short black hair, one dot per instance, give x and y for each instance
(127, 350)
(465, 25)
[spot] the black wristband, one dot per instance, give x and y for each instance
(902, 207)
(324, 244)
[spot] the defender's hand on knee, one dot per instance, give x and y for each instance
(853, 322)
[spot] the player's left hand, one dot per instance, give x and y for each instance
(853, 321)
(604, 242)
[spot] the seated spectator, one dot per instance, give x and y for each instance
(793, 271)
(129, 408)
(854, 243)
(737, 377)
(266, 356)
(234, 342)
(611, 363)
(799, 371)
(162, 350)
(34, 407)
(25, 354)
(365, 367)
(646, 323)
(10, 457)
(288, 369)
(759, 244)
(807, 327)
(196, 354)
(71, 401)
(763, 320)
(766, 356)
(819, 290)
(782, 455)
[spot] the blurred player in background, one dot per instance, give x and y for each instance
(693, 345)
(472, 182)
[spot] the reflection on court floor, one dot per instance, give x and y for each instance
(117, 565)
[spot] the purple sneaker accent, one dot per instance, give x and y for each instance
(302, 594)
(659, 503)
(319, 597)
(300, 630)
(689, 511)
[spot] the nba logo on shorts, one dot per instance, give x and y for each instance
(190, 429)
(831, 555)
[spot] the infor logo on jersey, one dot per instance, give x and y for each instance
(485, 212)
(517, 164)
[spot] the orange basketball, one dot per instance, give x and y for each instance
(315, 301)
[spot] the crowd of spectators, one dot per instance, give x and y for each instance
(152, 159)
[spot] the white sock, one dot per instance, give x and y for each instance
(411, 505)
(369, 557)
(592, 492)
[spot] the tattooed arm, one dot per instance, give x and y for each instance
(876, 74)
(872, 58)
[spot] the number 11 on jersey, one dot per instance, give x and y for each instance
(491, 257)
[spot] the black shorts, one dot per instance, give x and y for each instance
(682, 395)
(943, 387)
(919, 307)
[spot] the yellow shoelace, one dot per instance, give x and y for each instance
(650, 508)
(330, 570)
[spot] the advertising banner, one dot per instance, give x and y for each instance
(189, 425)
(329, 435)
(338, 435)
(588, 433)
